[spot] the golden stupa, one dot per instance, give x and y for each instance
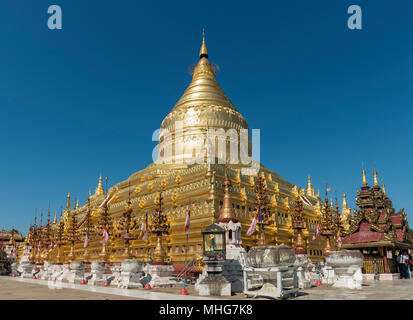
(186, 182)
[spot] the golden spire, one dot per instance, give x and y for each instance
(68, 202)
(203, 52)
(364, 177)
(204, 89)
(310, 188)
(99, 189)
(384, 189)
(376, 183)
(227, 213)
(55, 218)
(344, 201)
(77, 204)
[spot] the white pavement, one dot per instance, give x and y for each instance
(135, 293)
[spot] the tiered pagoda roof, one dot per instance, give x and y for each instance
(376, 223)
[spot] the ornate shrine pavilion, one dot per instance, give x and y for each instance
(376, 229)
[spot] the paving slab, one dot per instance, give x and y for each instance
(30, 289)
(398, 289)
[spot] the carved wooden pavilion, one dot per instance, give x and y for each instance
(376, 229)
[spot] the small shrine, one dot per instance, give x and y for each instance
(376, 229)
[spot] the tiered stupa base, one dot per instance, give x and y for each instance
(301, 262)
(131, 274)
(161, 275)
(347, 268)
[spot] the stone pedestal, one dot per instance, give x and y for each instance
(116, 276)
(301, 262)
(47, 271)
(161, 275)
(14, 267)
(347, 268)
(213, 283)
(329, 276)
(232, 269)
(131, 274)
(98, 276)
(64, 274)
(77, 270)
(275, 264)
(26, 268)
(57, 271)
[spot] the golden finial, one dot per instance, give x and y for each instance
(364, 177)
(310, 188)
(55, 218)
(99, 189)
(383, 187)
(77, 204)
(68, 202)
(376, 183)
(90, 194)
(344, 201)
(203, 52)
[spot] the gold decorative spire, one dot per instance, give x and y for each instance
(68, 202)
(55, 218)
(203, 52)
(310, 188)
(376, 183)
(344, 201)
(364, 177)
(77, 204)
(99, 189)
(384, 189)
(203, 89)
(227, 213)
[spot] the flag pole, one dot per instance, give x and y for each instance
(184, 291)
(147, 286)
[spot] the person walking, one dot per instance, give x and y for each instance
(405, 265)
(399, 261)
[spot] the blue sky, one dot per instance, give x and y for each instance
(85, 99)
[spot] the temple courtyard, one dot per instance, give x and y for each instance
(28, 289)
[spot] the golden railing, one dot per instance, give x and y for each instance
(368, 266)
